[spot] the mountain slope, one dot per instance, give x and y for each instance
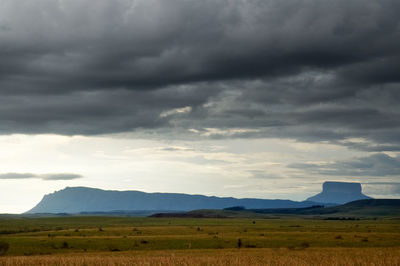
(84, 199)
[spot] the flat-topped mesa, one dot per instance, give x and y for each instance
(341, 187)
(339, 192)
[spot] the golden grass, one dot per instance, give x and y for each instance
(281, 256)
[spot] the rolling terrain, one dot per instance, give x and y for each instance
(75, 240)
(363, 232)
(357, 209)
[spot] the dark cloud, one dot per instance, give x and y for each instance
(376, 165)
(309, 70)
(62, 176)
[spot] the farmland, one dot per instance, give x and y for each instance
(126, 240)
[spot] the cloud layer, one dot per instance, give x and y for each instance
(309, 70)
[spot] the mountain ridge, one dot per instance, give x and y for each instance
(85, 199)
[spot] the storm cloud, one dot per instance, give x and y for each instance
(307, 70)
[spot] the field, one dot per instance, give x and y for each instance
(188, 241)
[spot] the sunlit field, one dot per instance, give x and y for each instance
(155, 241)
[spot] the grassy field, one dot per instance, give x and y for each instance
(283, 257)
(144, 241)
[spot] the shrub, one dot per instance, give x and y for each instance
(65, 245)
(3, 247)
(235, 208)
(239, 243)
(304, 245)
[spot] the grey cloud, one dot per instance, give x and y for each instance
(96, 112)
(383, 183)
(64, 176)
(309, 70)
(376, 165)
(384, 189)
(61, 176)
(176, 149)
(369, 147)
(263, 175)
(112, 45)
(17, 176)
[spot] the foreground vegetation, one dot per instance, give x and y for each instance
(281, 256)
(144, 241)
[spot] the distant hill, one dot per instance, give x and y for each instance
(367, 207)
(339, 193)
(357, 209)
(370, 207)
(84, 199)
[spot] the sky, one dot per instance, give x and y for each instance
(243, 98)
